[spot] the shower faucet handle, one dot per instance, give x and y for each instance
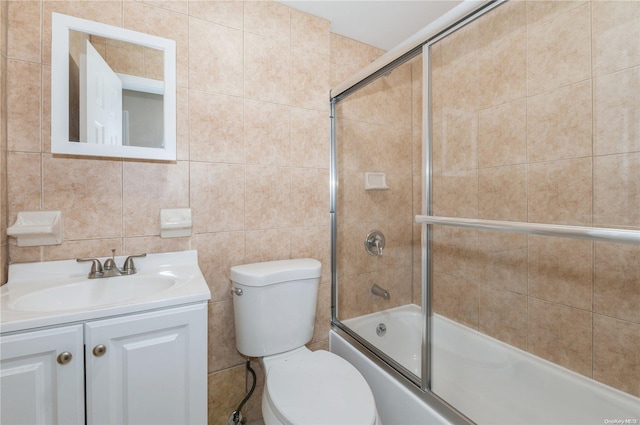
(374, 243)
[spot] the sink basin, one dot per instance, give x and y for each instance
(90, 293)
(51, 293)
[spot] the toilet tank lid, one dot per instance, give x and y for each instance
(270, 272)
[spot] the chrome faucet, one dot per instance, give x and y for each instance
(374, 243)
(380, 292)
(110, 269)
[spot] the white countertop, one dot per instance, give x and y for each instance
(29, 278)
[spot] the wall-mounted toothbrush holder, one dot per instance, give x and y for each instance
(175, 223)
(36, 228)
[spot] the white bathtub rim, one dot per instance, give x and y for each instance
(427, 399)
(580, 380)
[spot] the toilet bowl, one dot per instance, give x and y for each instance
(274, 310)
(315, 387)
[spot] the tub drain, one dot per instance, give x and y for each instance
(381, 329)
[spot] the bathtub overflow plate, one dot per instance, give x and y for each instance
(381, 329)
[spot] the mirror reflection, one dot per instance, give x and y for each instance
(116, 92)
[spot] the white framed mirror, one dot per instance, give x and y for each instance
(113, 91)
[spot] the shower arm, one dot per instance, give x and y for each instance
(576, 232)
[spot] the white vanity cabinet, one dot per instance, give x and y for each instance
(148, 368)
(42, 377)
(144, 368)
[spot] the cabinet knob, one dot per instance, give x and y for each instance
(64, 358)
(99, 350)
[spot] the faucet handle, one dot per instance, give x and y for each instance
(129, 267)
(96, 266)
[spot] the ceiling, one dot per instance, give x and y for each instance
(380, 23)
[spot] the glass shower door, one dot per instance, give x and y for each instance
(534, 112)
(378, 171)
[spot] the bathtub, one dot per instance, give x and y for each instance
(485, 379)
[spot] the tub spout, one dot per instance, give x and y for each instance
(380, 292)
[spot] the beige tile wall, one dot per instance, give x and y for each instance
(4, 247)
(536, 113)
(253, 152)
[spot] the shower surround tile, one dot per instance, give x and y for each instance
(560, 270)
(502, 56)
(560, 192)
(617, 273)
(561, 334)
(501, 261)
(616, 357)
(457, 299)
(559, 50)
(503, 193)
(616, 112)
(387, 150)
(617, 191)
(460, 70)
(539, 11)
(614, 24)
(503, 315)
(502, 135)
(559, 123)
(455, 194)
(459, 141)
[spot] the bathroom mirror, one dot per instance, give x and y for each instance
(113, 91)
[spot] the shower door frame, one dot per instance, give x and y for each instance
(422, 385)
(419, 385)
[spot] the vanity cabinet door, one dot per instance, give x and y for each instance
(42, 377)
(148, 368)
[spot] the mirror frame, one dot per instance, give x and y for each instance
(60, 144)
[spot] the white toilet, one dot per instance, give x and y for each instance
(274, 308)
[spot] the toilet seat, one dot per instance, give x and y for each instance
(319, 388)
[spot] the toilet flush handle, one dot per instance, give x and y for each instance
(236, 291)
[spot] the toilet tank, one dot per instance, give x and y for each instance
(276, 311)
